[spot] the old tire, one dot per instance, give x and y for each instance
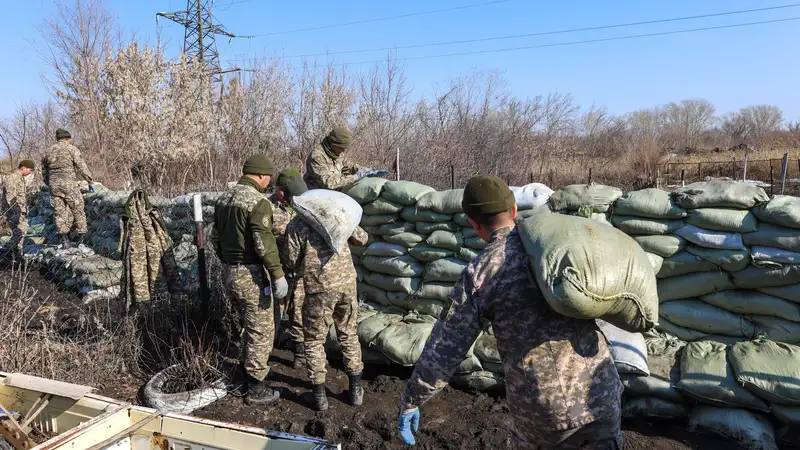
(180, 402)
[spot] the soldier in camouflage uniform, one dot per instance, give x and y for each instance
(62, 165)
(326, 168)
(289, 184)
(330, 285)
(245, 244)
(562, 388)
(15, 206)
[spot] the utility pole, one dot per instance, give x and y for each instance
(200, 36)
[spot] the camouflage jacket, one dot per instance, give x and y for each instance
(559, 373)
(326, 171)
(308, 255)
(243, 228)
(281, 216)
(63, 164)
(14, 193)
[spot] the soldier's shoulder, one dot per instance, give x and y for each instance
(506, 253)
(318, 153)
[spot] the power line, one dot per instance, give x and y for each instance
(565, 44)
(543, 33)
(402, 16)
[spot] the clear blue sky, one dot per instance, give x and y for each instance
(732, 68)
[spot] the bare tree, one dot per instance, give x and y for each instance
(687, 120)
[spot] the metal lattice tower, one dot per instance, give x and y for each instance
(200, 36)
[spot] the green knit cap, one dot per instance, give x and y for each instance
(27, 163)
(291, 180)
(258, 165)
(62, 134)
(341, 137)
(486, 195)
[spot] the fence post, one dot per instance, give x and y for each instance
(397, 163)
(530, 175)
(590, 175)
(699, 172)
(683, 177)
(200, 241)
(784, 168)
(744, 174)
(771, 180)
(452, 176)
(658, 178)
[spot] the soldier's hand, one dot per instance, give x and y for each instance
(281, 288)
(91, 187)
(409, 421)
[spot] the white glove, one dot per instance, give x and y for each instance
(281, 288)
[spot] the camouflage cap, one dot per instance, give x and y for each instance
(62, 134)
(341, 137)
(27, 163)
(259, 165)
(486, 195)
(291, 180)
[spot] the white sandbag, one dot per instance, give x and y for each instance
(628, 350)
(782, 210)
(637, 226)
(574, 197)
(719, 194)
(773, 236)
(444, 270)
(637, 408)
(750, 429)
(777, 329)
(414, 214)
(404, 192)
(697, 315)
(769, 369)
(384, 249)
(727, 260)
(683, 263)
(445, 202)
(652, 203)
(392, 283)
(399, 266)
(486, 349)
(531, 195)
(439, 291)
(692, 285)
(755, 277)
(665, 245)
(446, 240)
(426, 253)
(430, 227)
(644, 386)
(407, 240)
(403, 341)
(367, 190)
(711, 239)
(656, 261)
(587, 271)
(720, 219)
(791, 293)
(707, 377)
(762, 254)
(381, 206)
(749, 302)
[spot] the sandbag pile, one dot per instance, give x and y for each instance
(79, 268)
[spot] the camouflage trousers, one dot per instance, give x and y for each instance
(597, 435)
(295, 309)
(68, 208)
(246, 284)
(18, 222)
(319, 311)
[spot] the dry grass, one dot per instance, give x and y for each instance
(738, 155)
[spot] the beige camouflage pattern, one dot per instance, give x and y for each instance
(326, 172)
(246, 284)
(15, 208)
(558, 371)
(330, 296)
(293, 303)
(63, 167)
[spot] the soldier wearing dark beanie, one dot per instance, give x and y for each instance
(488, 202)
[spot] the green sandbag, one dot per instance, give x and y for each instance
(404, 192)
(652, 203)
(429, 306)
(521, 214)
(428, 228)
(719, 219)
(366, 190)
(755, 277)
(462, 220)
(372, 230)
(748, 302)
(692, 285)
(426, 253)
(468, 232)
(446, 240)
(371, 294)
(392, 284)
(664, 246)
(399, 266)
(369, 221)
(782, 210)
(637, 226)
(445, 202)
(595, 196)
(369, 328)
(414, 214)
(636, 408)
(475, 243)
(769, 369)
(791, 292)
(439, 291)
(403, 341)
(393, 229)
(727, 260)
(381, 206)
(483, 381)
(467, 254)
(700, 316)
(470, 364)
(486, 349)
(719, 194)
(707, 377)
(407, 240)
(683, 263)
(773, 236)
(786, 414)
(357, 250)
(751, 430)
(777, 329)
(493, 367)
(642, 386)
(682, 333)
(587, 270)
(444, 270)
(383, 249)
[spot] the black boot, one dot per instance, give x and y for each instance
(319, 398)
(356, 390)
(79, 238)
(65, 241)
(299, 355)
(261, 394)
(240, 383)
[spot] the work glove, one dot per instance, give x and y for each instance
(408, 420)
(281, 288)
(378, 173)
(91, 188)
(362, 173)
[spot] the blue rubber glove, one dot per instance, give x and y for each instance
(362, 173)
(408, 421)
(91, 188)
(378, 173)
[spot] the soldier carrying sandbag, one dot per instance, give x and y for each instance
(62, 165)
(15, 206)
(326, 167)
(562, 388)
(245, 244)
(288, 185)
